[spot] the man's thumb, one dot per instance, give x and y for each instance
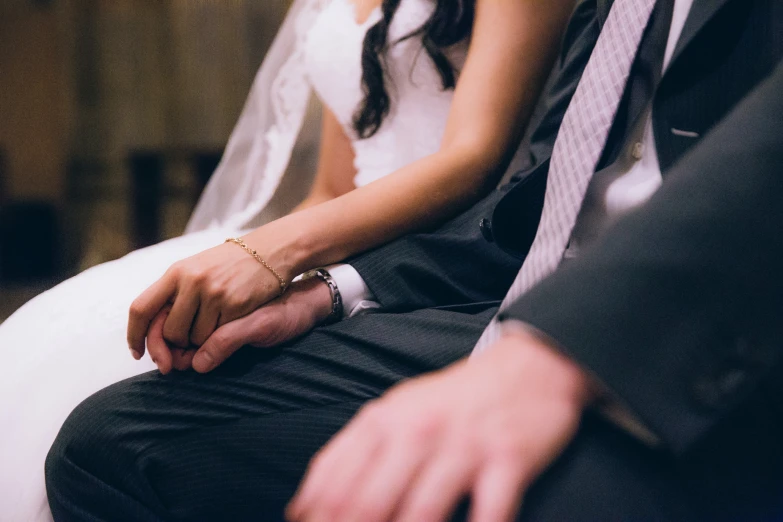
(221, 345)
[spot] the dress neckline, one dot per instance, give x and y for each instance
(353, 9)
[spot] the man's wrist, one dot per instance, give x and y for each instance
(315, 295)
(323, 275)
(357, 297)
(597, 396)
(583, 389)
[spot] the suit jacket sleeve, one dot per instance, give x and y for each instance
(447, 266)
(678, 309)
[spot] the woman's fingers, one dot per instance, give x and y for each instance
(183, 311)
(160, 353)
(144, 309)
(206, 322)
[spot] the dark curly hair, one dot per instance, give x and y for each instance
(450, 23)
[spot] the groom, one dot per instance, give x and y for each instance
(638, 378)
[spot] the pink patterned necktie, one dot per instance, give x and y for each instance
(579, 144)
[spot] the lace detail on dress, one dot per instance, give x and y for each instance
(289, 96)
(260, 146)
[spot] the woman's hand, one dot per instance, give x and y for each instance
(205, 291)
(307, 304)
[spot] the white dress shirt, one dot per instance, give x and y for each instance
(611, 193)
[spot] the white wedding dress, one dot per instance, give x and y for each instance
(70, 341)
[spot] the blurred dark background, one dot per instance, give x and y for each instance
(113, 114)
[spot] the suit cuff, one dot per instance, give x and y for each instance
(357, 297)
(608, 404)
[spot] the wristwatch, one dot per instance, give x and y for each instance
(337, 299)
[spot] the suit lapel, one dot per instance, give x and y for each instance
(701, 13)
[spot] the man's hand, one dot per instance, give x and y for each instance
(485, 428)
(302, 308)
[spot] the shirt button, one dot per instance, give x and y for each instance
(485, 226)
(637, 151)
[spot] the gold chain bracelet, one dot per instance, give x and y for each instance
(241, 243)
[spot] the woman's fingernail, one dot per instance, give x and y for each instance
(136, 355)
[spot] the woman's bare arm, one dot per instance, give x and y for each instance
(336, 171)
(513, 46)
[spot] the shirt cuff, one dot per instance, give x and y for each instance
(608, 405)
(357, 297)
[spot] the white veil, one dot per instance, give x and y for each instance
(260, 145)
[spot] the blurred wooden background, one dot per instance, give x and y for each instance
(84, 84)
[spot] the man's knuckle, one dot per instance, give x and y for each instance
(505, 452)
(424, 510)
(317, 461)
(424, 428)
(220, 340)
(492, 513)
(374, 416)
(215, 356)
(368, 509)
(333, 504)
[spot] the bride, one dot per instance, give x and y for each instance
(424, 102)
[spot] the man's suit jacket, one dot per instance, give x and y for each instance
(678, 310)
